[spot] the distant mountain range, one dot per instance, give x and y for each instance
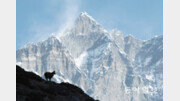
(106, 65)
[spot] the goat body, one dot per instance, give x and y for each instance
(49, 75)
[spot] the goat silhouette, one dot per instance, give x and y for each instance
(49, 75)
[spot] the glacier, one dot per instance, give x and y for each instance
(106, 65)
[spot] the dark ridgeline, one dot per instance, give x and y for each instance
(31, 87)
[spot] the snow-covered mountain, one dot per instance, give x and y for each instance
(107, 65)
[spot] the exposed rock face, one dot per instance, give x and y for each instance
(82, 35)
(149, 65)
(31, 87)
(107, 66)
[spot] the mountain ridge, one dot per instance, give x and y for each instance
(31, 87)
(99, 61)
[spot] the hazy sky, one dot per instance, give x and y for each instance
(36, 19)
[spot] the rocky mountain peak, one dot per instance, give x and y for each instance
(85, 15)
(85, 24)
(98, 61)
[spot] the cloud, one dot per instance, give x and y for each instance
(65, 12)
(71, 10)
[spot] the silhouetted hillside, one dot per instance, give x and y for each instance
(31, 87)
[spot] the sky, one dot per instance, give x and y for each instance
(37, 19)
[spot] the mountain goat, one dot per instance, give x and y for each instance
(49, 75)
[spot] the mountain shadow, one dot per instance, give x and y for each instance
(31, 87)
